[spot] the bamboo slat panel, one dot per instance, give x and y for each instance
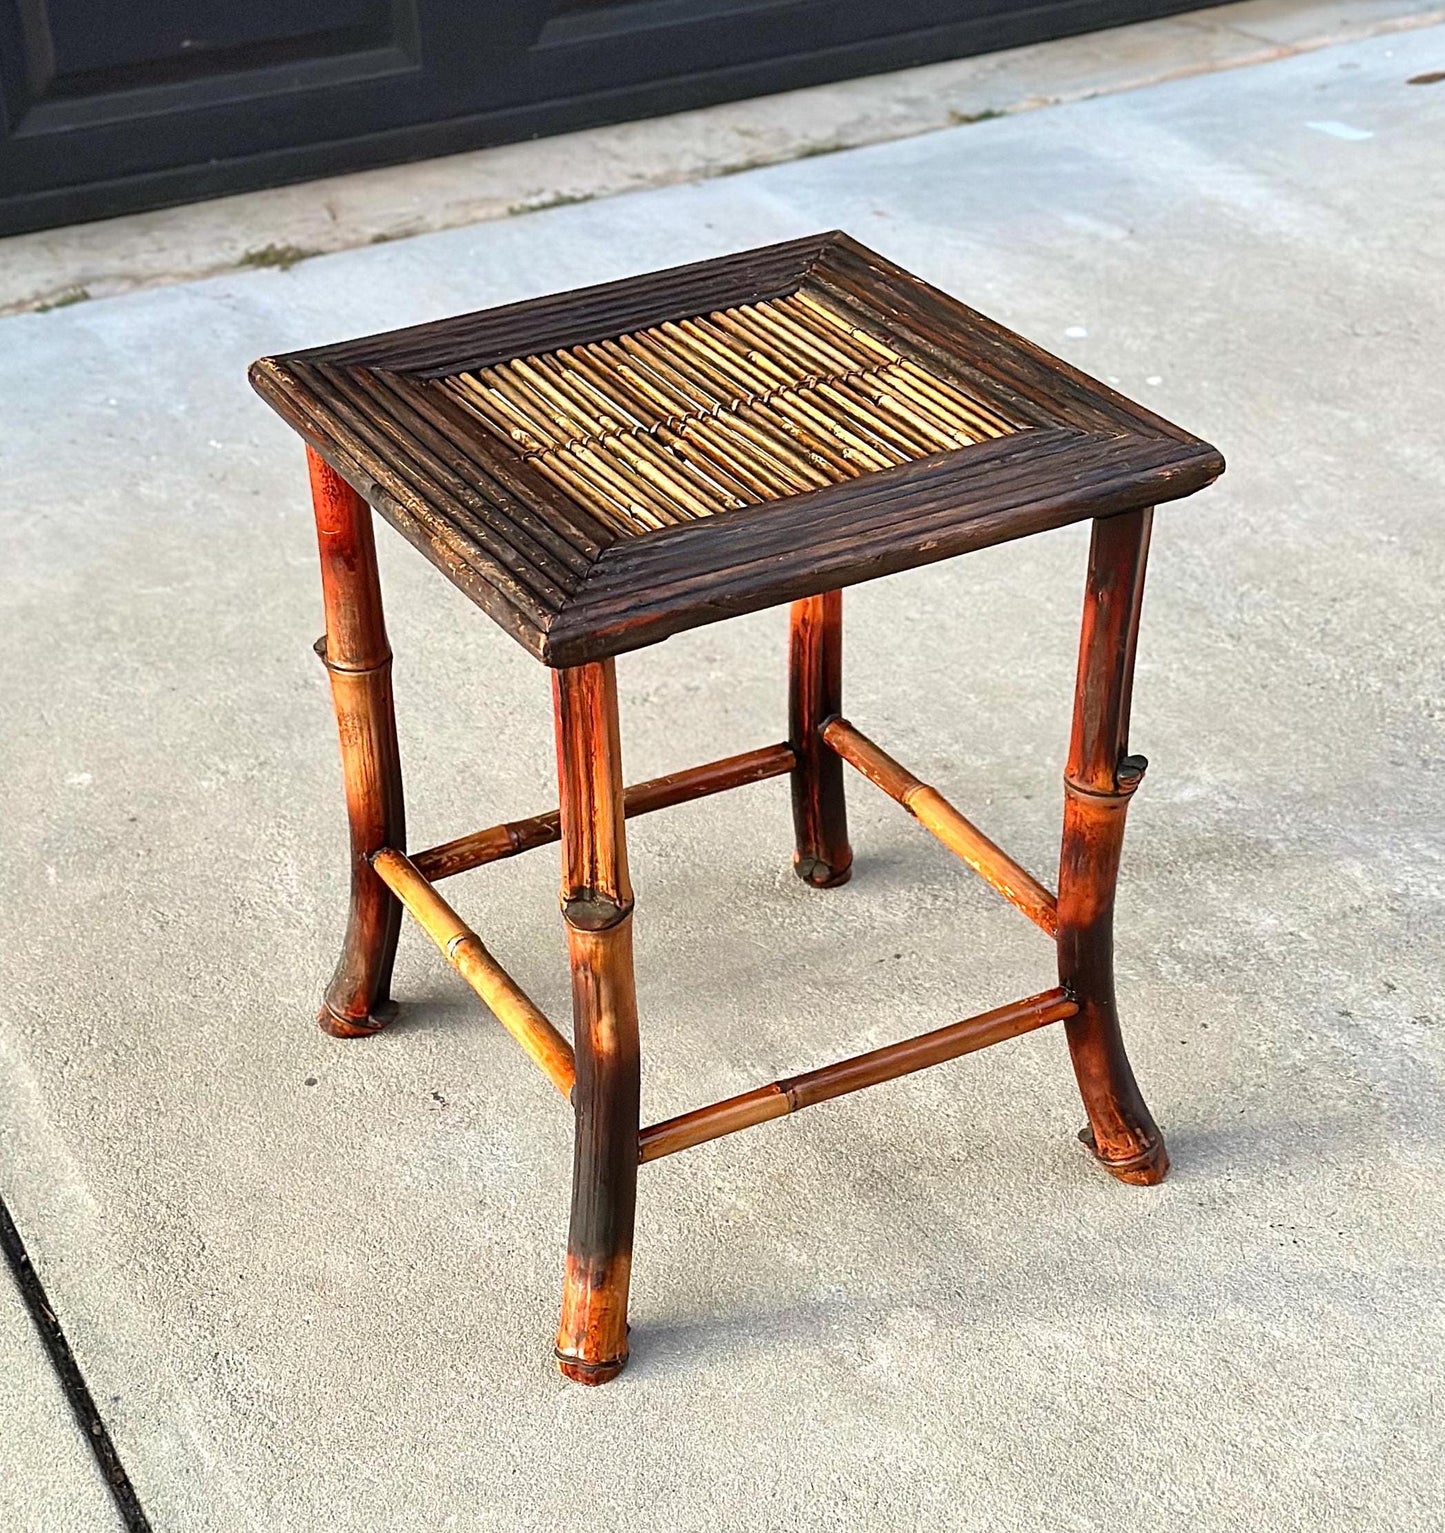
(687, 419)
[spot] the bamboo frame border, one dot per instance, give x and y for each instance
(570, 589)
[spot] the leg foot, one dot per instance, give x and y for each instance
(1146, 1168)
(814, 871)
(592, 1344)
(381, 1017)
(590, 1373)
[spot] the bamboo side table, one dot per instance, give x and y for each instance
(604, 468)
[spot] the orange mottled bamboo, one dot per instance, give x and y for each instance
(846, 1075)
(821, 856)
(929, 807)
(597, 909)
(1099, 780)
(358, 661)
(468, 955)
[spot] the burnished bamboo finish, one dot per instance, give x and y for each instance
(1099, 780)
(468, 955)
(601, 469)
(507, 840)
(357, 657)
(821, 853)
(929, 807)
(597, 911)
(848, 1075)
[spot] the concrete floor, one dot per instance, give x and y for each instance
(313, 1284)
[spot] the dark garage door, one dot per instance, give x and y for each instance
(109, 106)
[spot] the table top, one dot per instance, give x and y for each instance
(602, 468)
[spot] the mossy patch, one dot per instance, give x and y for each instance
(64, 300)
(281, 257)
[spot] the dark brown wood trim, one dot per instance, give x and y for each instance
(439, 347)
(645, 589)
